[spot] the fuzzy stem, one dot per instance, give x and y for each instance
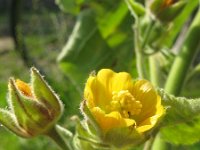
(54, 135)
(138, 51)
(148, 33)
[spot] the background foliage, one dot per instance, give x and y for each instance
(68, 39)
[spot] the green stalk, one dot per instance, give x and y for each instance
(154, 70)
(184, 59)
(180, 69)
(138, 51)
(148, 144)
(55, 136)
(148, 33)
(160, 144)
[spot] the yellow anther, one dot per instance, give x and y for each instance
(115, 105)
(124, 102)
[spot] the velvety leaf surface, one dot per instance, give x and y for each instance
(181, 125)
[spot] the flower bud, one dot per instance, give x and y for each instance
(165, 10)
(119, 111)
(33, 109)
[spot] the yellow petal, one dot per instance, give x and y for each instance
(112, 81)
(111, 120)
(104, 78)
(148, 123)
(23, 87)
(122, 81)
(146, 94)
(159, 108)
(95, 93)
(98, 90)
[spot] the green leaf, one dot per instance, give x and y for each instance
(181, 125)
(71, 6)
(111, 20)
(186, 133)
(85, 51)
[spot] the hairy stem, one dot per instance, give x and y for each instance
(138, 51)
(54, 135)
(148, 33)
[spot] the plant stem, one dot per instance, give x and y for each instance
(159, 144)
(180, 68)
(154, 71)
(138, 51)
(148, 144)
(148, 33)
(184, 59)
(54, 135)
(155, 77)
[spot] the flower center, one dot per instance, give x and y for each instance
(124, 102)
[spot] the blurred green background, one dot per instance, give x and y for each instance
(44, 29)
(65, 45)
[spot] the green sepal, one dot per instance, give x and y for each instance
(83, 138)
(9, 121)
(90, 118)
(136, 9)
(66, 135)
(124, 137)
(43, 93)
(31, 115)
(18, 106)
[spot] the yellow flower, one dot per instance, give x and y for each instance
(116, 101)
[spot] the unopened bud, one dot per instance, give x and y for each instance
(33, 109)
(165, 10)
